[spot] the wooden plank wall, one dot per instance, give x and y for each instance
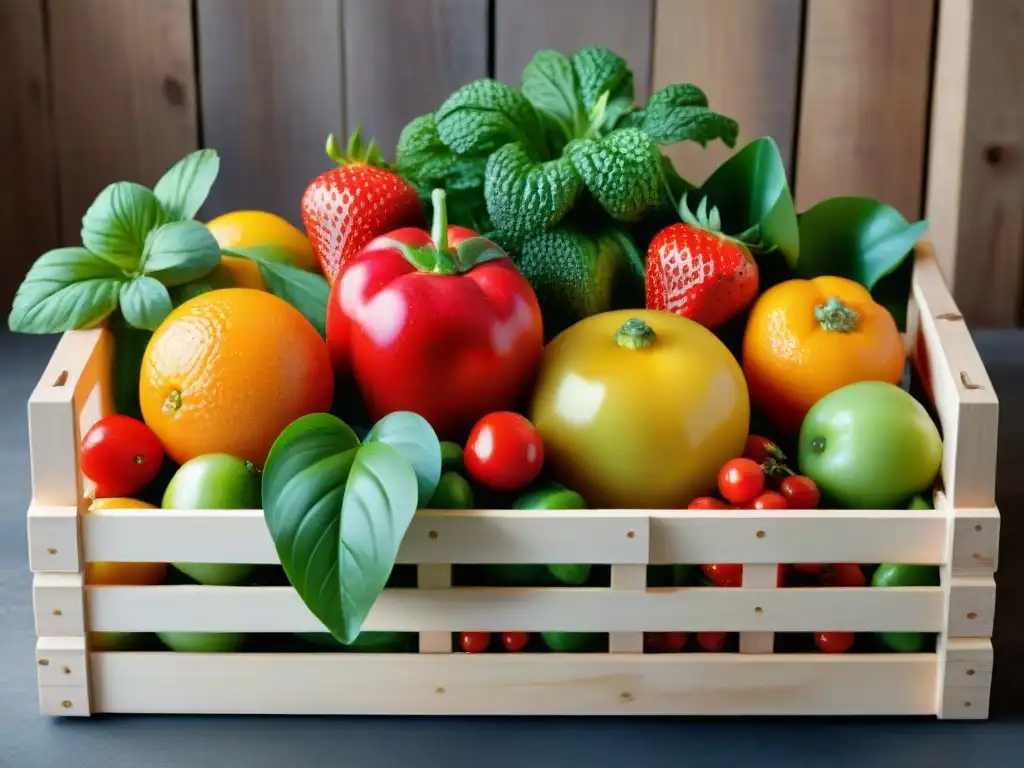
(103, 90)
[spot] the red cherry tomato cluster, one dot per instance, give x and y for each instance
(478, 642)
(504, 452)
(665, 642)
(121, 455)
(731, 574)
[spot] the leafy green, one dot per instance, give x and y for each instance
(622, 171)
(426, 161)
(680, 113)
(525, 197)
(549, 82)
(337, 511)
(484, 115)
(65, 288)
(179, 252)
(413, 437)
(600, 71)
(183, 189)
(855, 237)
(117, 223)
(145, 302)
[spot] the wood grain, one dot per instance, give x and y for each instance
(523, 26)
(864, 108)
(975, 200)
(124, 96)
(28, 196)
(403, 59)
(745, 56)
(272, 89)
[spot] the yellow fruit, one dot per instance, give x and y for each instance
(234, 272)
(228, 370)
(244, 229)
(132, 574)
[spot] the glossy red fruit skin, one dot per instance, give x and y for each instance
(699, 275)
(121, 455)
(741, 480)
(665, 642)
(712, 641)
(834, 642)
(731, 574)
(451, 348)
(344, 208)
(475, 642)
(707, 502)
(514, 642)
(770, 500)
(801, 492)
(843, 575)
(504, 452)
(759, 449)
(812, 568)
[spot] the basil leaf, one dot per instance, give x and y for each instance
(524, 197)
(484, 115)
(306, 291)
(600, 70)
(145, 302)
(413, 437)
(855, 237)
(180, 252)
(117, 223)
(184, 188)
(680, 112)
(65, 289)
(622, 171)
(549, 82)
(752, 198)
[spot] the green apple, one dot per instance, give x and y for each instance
(215, 481)
(203, 642)
(870, 445)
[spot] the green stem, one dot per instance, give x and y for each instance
(836, 316)
(439, 229)
(635, 334)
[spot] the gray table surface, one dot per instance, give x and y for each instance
(28, 740)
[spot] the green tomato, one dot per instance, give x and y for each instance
(557, 496)
(453, 492)
(574, 642)
(870, 445)
(451, 457)
(919, 502)
(215, 481)
(203, 642)
(904, 575)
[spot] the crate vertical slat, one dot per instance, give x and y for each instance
(627, 577)
(759, 577)
(437, 576)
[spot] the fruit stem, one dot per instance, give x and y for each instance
(439, 229)
(635, 334)
(836, 316)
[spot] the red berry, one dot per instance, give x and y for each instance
(741, 480)
(515, 641)
(770, 500)
(724, 575)
(834, 642)
(665, 642)
(800, 491)
(843, 575)
(475, 642)
(812, 568)
(707, 502)
(121, 455)
(504, 452)
(712, 641)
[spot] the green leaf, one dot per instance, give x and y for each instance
(426, 162)
(145, 302)
(306, 291)
(680, 112)
(183, 189)
(601, 71)
(486, 114)
(524, 197)
(855, 237)
(180, 252)
(413, 437)
(65, 289)
(752, 198)
(117, 223)
(622, 171)
(475, 251)
(549, 82)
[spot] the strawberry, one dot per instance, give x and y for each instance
(697, 272)
(346, 207)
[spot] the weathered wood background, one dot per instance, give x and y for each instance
(917, 102)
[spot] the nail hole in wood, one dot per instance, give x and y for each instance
(631, 535)
(626, 696)
(61, 380)
(440, 689)
(972, 615)
(966, 381)
(951, 316)
(58, 612)
(993, 154)
(66, 670)
(432, 534)
(51, 551)
(761, 534)
(174, 91)
(66, 704)
(44, 662)
(967, 704)
(976, 556)
(977, 528)
(970, 673)
(758, 609)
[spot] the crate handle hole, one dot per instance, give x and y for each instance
(61, 380)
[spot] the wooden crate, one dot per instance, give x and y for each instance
(961, 535)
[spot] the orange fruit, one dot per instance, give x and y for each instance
(228, 370)
(244, 229)
(135, 574)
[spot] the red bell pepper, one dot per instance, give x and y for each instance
(439, 323)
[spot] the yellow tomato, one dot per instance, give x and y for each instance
(244, 229)
(639, 408)
(129, 574)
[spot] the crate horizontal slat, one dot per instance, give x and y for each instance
(510, 684)
(279, 609)
(515, 536)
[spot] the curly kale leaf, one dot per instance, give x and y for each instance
(424, 160)
(600, 71)
(484, 115)
(680, 112)
(525, 197)
(622, 171)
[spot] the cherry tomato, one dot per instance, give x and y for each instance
(475, 642)
(770, 500)
(760, 449)
(712, 641)
(834, 642)
(665, 642)
(121, 455)
(515, 641)
(780, 578)
(730, 575)
(812, 568)
(504, 452)
(800, 491)
(707, 502)
(741, 480)
(843, 575)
